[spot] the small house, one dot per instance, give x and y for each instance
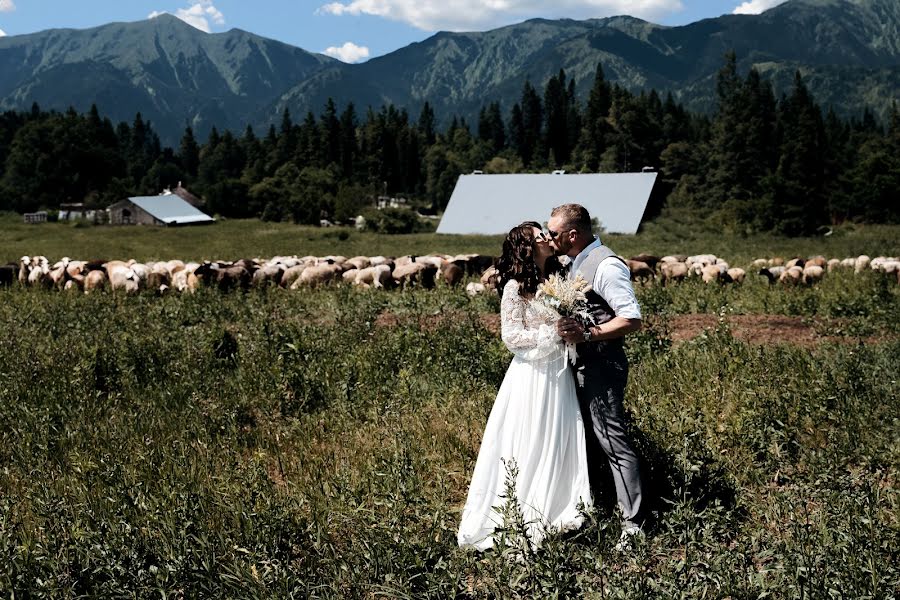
(166, 209)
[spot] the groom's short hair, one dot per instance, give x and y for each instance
(575, 216)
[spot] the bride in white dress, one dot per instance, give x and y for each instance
(535, 421)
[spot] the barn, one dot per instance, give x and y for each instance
(166, 209)
(494, 204)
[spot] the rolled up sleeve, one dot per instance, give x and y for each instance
(613, 282)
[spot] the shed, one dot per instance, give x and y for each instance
(186, 195)
(169, 209)
(494, 204)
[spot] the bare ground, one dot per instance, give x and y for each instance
(753, 329)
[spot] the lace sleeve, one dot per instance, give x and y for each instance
(528, 341)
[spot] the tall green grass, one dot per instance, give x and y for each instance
(320, 444)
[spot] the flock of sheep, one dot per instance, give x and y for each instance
(295, 272)
(794, 271)
(285, 271)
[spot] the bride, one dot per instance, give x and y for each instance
(535, 421)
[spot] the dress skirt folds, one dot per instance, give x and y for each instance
(536, 422)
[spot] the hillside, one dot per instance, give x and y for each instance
(848, 51)
(171, 72)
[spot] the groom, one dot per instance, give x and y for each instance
(602, 368)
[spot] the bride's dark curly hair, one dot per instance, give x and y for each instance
(517, 261)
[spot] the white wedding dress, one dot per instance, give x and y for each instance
(536, 422)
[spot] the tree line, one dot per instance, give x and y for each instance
(758, 163)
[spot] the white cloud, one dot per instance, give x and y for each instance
(2, 33)
(7, 6)
(348, 53)
(754, 7)
(462, 15)
(199, 14)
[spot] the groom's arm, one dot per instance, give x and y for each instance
(572, 331)
(613, 283)
(614, 328)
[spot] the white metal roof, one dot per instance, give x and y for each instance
(494, 204)
(171, 209)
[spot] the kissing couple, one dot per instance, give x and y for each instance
(538, 419)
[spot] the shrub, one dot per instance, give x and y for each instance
(392, 220)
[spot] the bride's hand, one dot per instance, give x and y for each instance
(570, 330)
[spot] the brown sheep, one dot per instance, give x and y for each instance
(812, 274)
(736, 275)
(268, 275)
(157, 279)
(648, 259)
(94, 281)
(490, 277)
(791, 276)
(415, 273)
(816, 261)
(640, 270)
(711, 273)
(451, 273)
(673, 271)
(291, 275)
(359, 262)
(318, 275)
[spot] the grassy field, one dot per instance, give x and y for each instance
(673, 234)
(319, 444)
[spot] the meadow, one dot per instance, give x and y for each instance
(319, 444)
(677, 232)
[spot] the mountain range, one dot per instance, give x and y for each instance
(847, 50)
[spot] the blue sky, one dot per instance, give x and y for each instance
(353, 30)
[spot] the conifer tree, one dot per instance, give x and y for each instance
(330, 135)
(348, 144)
(531, 147)
(189, 153)
(799, 176)
(427, 124)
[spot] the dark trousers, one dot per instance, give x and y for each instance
(601, 390)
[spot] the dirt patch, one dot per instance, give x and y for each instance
(753, 329)
(761, 329)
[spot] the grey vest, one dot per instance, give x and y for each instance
(606, 350)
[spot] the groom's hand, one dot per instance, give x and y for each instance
(570, 330)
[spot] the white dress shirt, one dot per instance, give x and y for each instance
(612, 282)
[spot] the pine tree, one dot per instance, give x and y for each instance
(799, 176)
(189, 153)
(348, 144)
(330, 134)
(491, 129)
(517, 131)
(596, 128)
(531, 147)
(555, 113)
(426, 124)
